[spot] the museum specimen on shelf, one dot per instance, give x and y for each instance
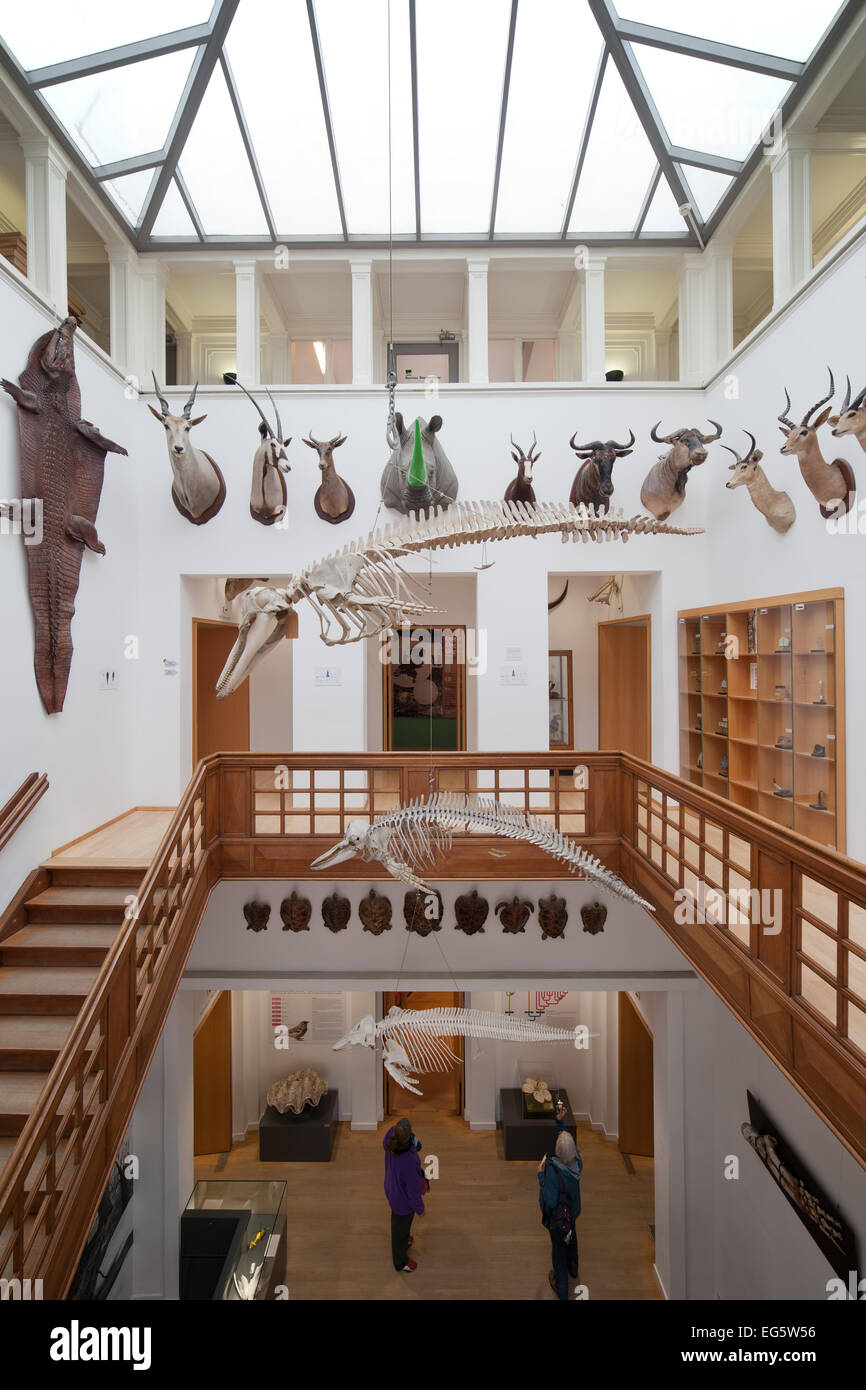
(593, 916)
(593, 481)
(303, 1087)
(362, 590)
(777, 507)
(334, 500)
(418, 475)
(520, 488)
(268, 496)
(471, 912)
(422, 911)
(257, 915)
(62, 463)
(413, 836)
(375, 912)
(664, 487)
(553, 916)
(514, 913)
(413, 1040)
(336, 911)
(198, 488)
(851, 419)
(296, 912)
(833, 485)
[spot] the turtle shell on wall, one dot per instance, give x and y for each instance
(552, 916)
(593, 916)
(375, 912)
(257, 915)
(471, 912)
(415, 912)
(336, 911)
(296, 912)
(514, 913)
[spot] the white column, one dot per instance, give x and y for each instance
(45, 171)
(663, 354)
(149, 330)
(566, 345)
(517, 359)
(123, 307)
(693, 321)
(476, 319)
(247, 322)
(790, 171)
(279, 365)
(720, 266)
(362, 321)
(591, 266)
(183, 369)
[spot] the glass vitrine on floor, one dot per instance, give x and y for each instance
(233, 1240)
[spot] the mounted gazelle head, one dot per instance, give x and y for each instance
(177, 427)
(334, 500)
(687, 445)
(852, 416)
(604, 455)
(801, 439)
(325, 449)
(746, 468)
(525, 461)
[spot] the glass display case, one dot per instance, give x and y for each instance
(561, 714)
(233, 1240)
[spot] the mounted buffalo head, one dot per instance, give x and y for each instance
(418, 475)
(520, 488)
(593, 482)
(664, 487)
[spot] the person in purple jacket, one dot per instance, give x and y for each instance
(405, 1186)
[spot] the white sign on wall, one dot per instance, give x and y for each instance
(328, 1023)
(513, 674)
(328, 675)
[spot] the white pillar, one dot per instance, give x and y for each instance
(150, 327)
(247, 322)
(45, 171)
(517, 359)
(790, 171)
(591, 265)
(693, 321)
(123, 308)
(183, 357)
(720, 267)
(663, 354)
(279, 364)
(566, 345)
(476, 319)
(362, 321)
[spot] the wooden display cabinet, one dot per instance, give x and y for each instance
(761, 695)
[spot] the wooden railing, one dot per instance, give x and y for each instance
(20, 804)
(796, 979)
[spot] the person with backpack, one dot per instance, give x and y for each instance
(405, 1186)
(559, 1199)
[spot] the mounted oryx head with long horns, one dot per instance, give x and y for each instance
(198, 489)
(268, 496)
(852, 416)
(593, 482)
(334, 500)
(520, 489)
(664, 487)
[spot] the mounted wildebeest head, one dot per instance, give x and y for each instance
(593, 481)
(418, 475)
(268, 497)
(664, 487)
(520, 488)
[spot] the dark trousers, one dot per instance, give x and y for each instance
(564, 1263)
(401, 1227)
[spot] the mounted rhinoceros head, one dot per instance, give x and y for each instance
(418, 475)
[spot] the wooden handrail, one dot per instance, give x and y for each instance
(238, 818)
(20, 804)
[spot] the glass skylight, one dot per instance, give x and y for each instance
(707, 187)
(57, 30)
(663, 214)
(215, 168)
(130, 191)
(766, 26)
(618, 166)
(173, 219)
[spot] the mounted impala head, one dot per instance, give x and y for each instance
(270, 462)
(593, 483)
(198, 489)
(177, 427)
(801, 439)
(852, 417)
(334, 501)
(746, 469)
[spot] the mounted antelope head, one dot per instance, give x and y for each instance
(777, 507)
(334, 500)
(520, 488)
(268, 492)
(198, 489)
(593, 481)
(852, 417)
(832, 484)
(664, 487)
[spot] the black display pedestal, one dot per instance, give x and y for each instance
(527, 1139)
(304, 1138)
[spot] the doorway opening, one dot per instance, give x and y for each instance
(443, 1091)
(625, 685)
(218, 726)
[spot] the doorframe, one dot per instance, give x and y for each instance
(196, 624)
(635, 621)
(460, 1051)
(387, 666)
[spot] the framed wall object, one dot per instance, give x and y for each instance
(424, 701)
(560, 699)
(762, 708)
(420, 361)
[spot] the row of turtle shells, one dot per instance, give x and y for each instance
(470, 909)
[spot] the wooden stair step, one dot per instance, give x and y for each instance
(51, 944)
(94, 904)
(19, 1097)
(47, 989)
(31, 1042)
(71, 875)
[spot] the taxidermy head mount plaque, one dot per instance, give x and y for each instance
(833, 485)
(334, 500)
(62, 465)
(418, 475)
(593, 481)
(198, 490)
(664, 487)
(268, 496)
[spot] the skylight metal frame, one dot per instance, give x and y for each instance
(621, 38)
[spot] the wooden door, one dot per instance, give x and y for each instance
(212, 1078)
(625, 686)
(443, 1091)
(218, 726)
(424, 690)
(635, 1081)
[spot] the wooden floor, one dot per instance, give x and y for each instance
(131, 840)
(482, 1236)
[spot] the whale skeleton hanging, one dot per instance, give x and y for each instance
(407, 839)
(413, 1040)
(363, 590)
